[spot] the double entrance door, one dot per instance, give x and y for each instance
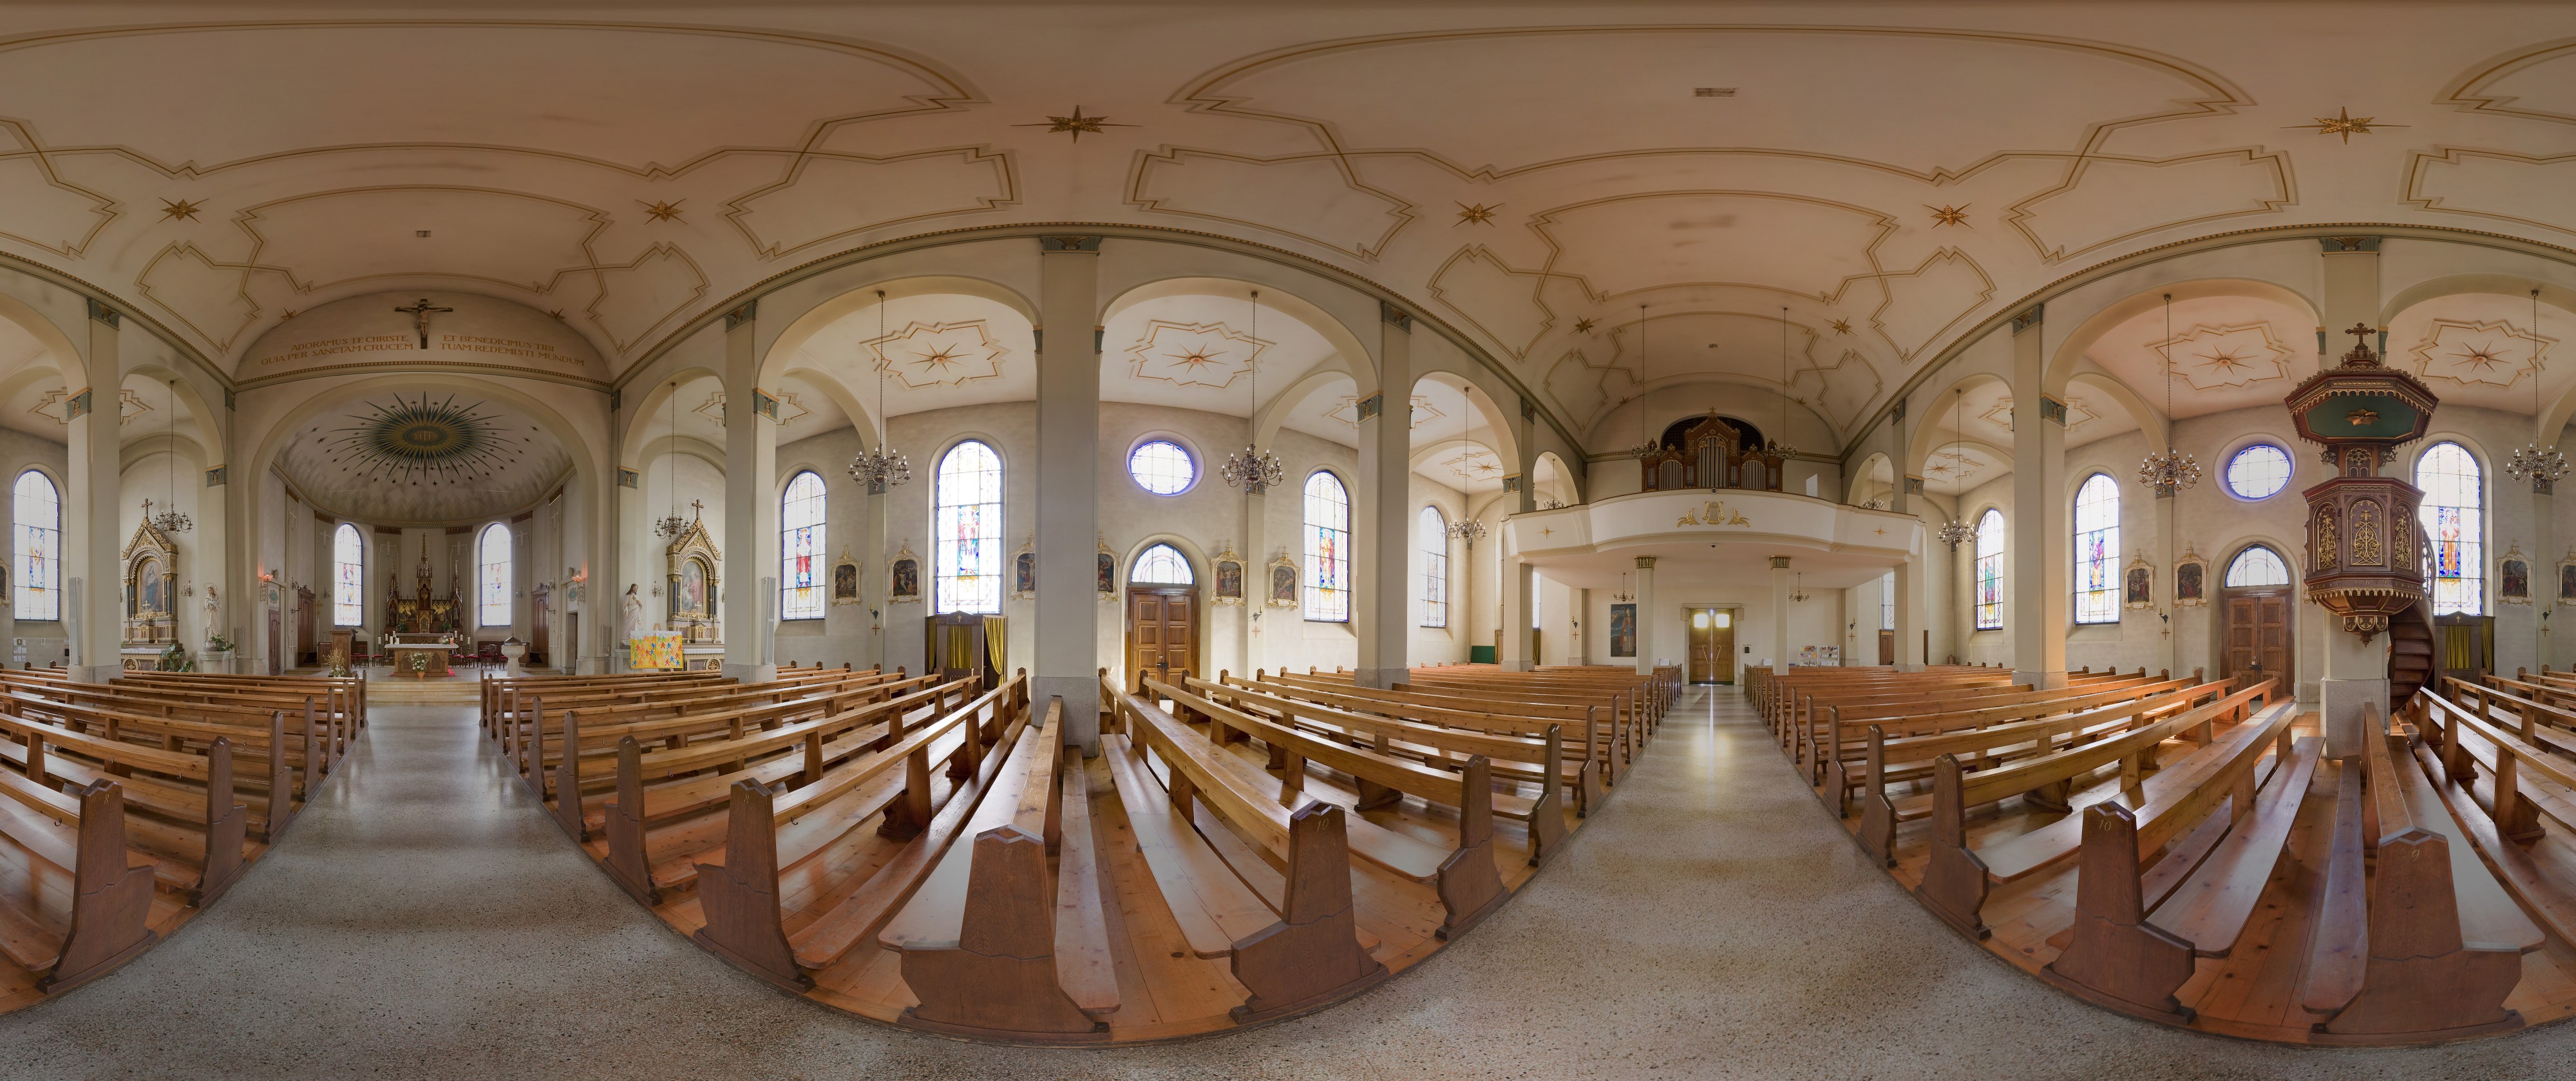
(1162, 634)
(2256, 637)
(1712, 644)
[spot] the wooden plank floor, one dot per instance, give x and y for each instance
(1164, 992)
(2254, 992)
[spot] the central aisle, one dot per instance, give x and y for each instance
(422, 920)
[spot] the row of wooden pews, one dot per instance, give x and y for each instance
(131, 806)
(934, 855)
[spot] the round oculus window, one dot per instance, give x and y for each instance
(1162, 467)
(2258, 472)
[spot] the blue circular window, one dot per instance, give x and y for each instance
(2258, 472)
(1162, 467)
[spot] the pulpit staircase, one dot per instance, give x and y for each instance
(2410, 654)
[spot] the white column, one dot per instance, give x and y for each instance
(1068, 472)
(95, 485)
(2042, 548)
(1779, 614)
(1913, 579)
(2356, 671)
(1513, 652)
(1381, 540)
(1647, 615)
(750, 505)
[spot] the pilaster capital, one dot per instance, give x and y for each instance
(1086, 244)
(1398, 317)
(749, 311)
(1779, 563)
(1645, 563)
(104, 314)
(2030, 317)
(2342, 244)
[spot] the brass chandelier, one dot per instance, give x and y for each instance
(2171, 471)
(2542, 465)
(1253, 469)
(670, 526)
(170, 520)
(1779, 447)
(883, 467)
(1467, 528)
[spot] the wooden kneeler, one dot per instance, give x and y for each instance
(110, 897)
(999, 977)
(741, 897)
(2116, 955)
(1470, 888)
(1312, 955)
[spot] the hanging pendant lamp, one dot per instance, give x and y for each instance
(1957, 530)
(883, 467)
(2170, 471)
(2542, 464)
(1466, 528)
(671, 525)
(1779, 447)
(1253, 469)
(170, 520)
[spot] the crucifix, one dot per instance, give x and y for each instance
(420, 314)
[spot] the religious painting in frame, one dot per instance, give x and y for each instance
(1229, 576)
(845, 579)
(903, 577)
(2191, 580)
(1105, 568)
(2513, 577)
(1623, 630)
(2567, 578)
(2138, 586)
(1283, 582)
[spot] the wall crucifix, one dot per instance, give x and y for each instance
(420, 314)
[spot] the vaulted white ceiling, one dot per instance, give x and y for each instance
(1530, 174)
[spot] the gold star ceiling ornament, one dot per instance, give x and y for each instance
(1076, 124)
(662, 211)
(1477, 214)
(1842, 326)
(1583, 326)
(180, 210)
(2345, 124)
(1948, 215)
(942, 359)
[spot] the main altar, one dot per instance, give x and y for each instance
(421, 630)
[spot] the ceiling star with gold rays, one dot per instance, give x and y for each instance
(1948, 215)
(1075, 123)
(2474, 352)
(1211, 355)
(922, 355)
(422, 442)
(2345, 124)
(180, 210)
(2209, 357)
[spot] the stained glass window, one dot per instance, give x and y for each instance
(966, 561)
(2097, 550)
(1434, 530)
(1162, 565)
(1162, 467)
(800, 548)
(348, 577)
(1328, 542)
(1990, 571)
(492, 576)
(2258, 566)
(2259, 471)
(40, 546)
(2454, 516)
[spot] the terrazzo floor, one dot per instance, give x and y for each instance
(422, 920)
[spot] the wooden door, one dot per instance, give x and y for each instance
(538, 622)
(307, 649)
(2257, 635)
(1887, 647)
(276, 643)
(1711, 652)
(1162, 633)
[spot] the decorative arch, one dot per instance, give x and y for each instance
(798, 325)
(2069, 356)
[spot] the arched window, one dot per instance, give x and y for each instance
(348, 577)
(1328, 542)
(1887, 601)
(1434, 530)
(800, 548)
(966, 558)
(1162, 565)
(2258, 566)
(2454, 519)
(2097, 550)
(1990, 571)
(492, 576)
(40, 547)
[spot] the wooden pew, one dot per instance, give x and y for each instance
(2433, 946)
(993, 943)
(1845, 766)
(1956, 880)
(1301, 951)
(1434, 736)
(196, 840)
(79, 835)
(1484, 714)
